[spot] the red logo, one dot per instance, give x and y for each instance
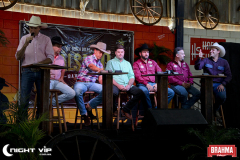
(222, 150)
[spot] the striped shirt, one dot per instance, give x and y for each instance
(38, 50)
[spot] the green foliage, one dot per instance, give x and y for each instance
(3, 40)
(21, 130)
(161, 54)
(210, 136)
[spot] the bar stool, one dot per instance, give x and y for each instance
(176, 103)
(52, 118)
(139, 116)
(221, 116)
(89, 93)
(119, 108)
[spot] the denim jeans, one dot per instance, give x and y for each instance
(220, 97)
(96, 101)
(80, 88)
(183, 95)
(137, 96)
(147, 95)
(67, 92)
(28, 78)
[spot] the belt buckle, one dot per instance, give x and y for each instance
(35, 69)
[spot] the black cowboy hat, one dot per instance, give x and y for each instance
(57, 40)
(144, 46)
(2, 82)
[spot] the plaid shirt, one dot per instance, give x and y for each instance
(82, 74)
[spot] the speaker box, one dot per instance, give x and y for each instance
(173, 119)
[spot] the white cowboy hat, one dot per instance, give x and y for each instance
(35, 21)
(101, 46)
(219, 47)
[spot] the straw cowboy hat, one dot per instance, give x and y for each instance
(144, 46)
(35, 21)
(57, 40)
(101, 46)
(219, 47)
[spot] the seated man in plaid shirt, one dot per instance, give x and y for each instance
(90, 64)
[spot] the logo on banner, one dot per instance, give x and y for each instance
(42, 151)
(201, 43)
(222, 150)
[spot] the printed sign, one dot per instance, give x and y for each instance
(222, 150)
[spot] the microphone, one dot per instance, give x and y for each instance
(32, 34)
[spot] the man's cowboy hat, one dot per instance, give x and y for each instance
(35, 21)
(219, 47)
(57, 40)
(144, 46)
(101, 46)
(2, 82)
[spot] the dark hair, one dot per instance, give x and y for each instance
(176, 51)
(119, 47)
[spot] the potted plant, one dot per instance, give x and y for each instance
(22, 132)
(210, 136)
(3, 40)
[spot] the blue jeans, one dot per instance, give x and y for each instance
(67, 92)
(96, 101)
(147, 95)
(28, 78)
(220, 97)
(80, 88)
(183, 95)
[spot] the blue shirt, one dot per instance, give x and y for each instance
(214, 68)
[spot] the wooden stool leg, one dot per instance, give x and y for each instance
(75, 124)
(50, 116)
(34, 107)
(58, 113)
(132, 122)
(118, 111)
(223, 119)
(97, 118)
(81, 122)
(137, 115)
(155, 99)
(64, 120)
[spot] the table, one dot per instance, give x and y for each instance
(45, 85)
(107, 92)
(207, 95)
(162, 88)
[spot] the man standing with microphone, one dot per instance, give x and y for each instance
(33, 48)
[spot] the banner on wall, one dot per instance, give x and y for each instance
(201, 43)
(78, 39)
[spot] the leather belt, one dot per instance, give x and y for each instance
(35, 69)
(83, 81)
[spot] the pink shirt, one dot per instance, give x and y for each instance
(184, 69)
(38, 50)
(56, 73)
(140, 68)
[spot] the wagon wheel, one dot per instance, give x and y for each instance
(207, 14)
(6, 4)
(83, 144)
(148, 12)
